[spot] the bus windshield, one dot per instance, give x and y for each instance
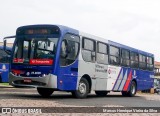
(36, 51)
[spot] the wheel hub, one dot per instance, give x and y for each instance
(82, 88)
(133, 89)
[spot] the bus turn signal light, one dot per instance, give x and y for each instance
(17, 72)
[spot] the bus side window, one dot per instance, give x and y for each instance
(150, 62)
(114, 55)
(134, 59)
(125, 57)
(102, 53)
(142, 62)
(69, 49)
(88, 51)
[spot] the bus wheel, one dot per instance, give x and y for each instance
(45, 92)
(101, 93)
(132, 90)
(83, 89)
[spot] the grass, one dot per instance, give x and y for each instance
(4, 84)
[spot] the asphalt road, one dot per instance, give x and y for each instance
(19, 97)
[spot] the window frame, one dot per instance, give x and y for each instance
(83, 48)
(98, 42)
(148, 68)
(122, 58)
(114, 55)
(94, 43)
(142, 62)
(107, 46)
(134, 60)
(77, 51)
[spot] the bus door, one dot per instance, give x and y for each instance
(68, 69)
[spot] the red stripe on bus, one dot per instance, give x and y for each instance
(125, 88)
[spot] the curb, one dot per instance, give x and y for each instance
(5, 86)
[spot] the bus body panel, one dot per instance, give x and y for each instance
(144, 79)
(119, 79)
(113, 77)
(101, 77)
(98, 80)
(67, 77)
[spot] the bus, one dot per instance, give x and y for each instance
(59, 58)
(4, 63)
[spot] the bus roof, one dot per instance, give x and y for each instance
(62, 28)
(65, 29)
(130, 48)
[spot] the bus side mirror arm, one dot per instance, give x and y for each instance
(5, 41)
(4, 45)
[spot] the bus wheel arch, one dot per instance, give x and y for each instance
(84, 86)
(133, 88)
(88, 78)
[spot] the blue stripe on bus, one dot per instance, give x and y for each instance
(117, 79)
(123, 80)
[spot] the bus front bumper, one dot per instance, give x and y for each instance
(48, 81)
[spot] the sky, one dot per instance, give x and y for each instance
(135, 23)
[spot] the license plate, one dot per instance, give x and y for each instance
(27, 80)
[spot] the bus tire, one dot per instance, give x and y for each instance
(132, 90)
(101, 93)
(45, 92)
(83, 89)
